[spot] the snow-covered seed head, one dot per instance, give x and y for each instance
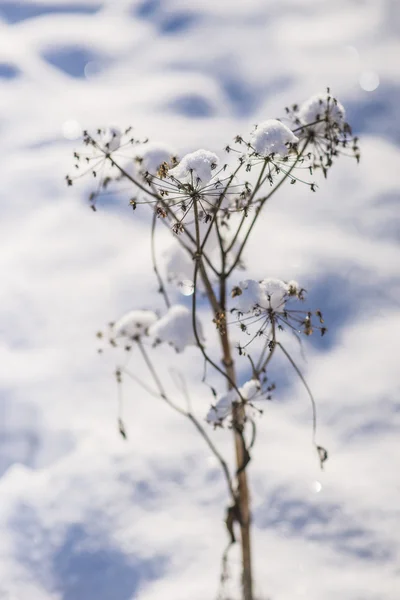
(263, 307)
(322, 110)
(133, 324)
(176, 328)
(268, 295)
(272, 137)
(196, 168)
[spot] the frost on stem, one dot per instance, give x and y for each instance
(175, 328)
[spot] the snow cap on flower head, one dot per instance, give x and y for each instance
(176, 328)
(322, 107)
(272, 137)
(198, 165)
(266, 294)
(134, 323)
(223, 407)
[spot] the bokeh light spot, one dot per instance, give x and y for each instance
(186, 287)
(369, 81)
(71, 129)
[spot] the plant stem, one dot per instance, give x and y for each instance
(186, 413)
(243, 497)
(242, 501)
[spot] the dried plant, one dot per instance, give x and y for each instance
(211, 210)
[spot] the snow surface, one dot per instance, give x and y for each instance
(85, 514)
(272, 137)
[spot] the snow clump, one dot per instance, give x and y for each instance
(324, 108)
(268, 294)
(196, 167)
(134, 324)
(222, 408)
(176, 328)
(249, 391)
(272, 137)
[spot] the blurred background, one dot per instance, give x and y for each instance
(85, 514)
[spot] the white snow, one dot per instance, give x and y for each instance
(222, 408)
(249, 391)
(178, 264)
(134, 323)
(266, 294)
(322, 107)
(85, 514)
(175, 328)
(200, 165)
(272, 137)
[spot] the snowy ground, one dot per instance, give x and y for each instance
(84, 514)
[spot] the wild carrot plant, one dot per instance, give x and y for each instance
(211, 207)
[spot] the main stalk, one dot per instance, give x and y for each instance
(243, 498)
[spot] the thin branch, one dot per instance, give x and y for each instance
(262, 365)
(157, 380)
(148, 389)
(190, 416)
(262, 203)
(299, 373)
(154, 260)
(254, 192)
(211, 295)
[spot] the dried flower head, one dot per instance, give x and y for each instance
(272, 137)
(321, 123)
(134, 324)
(262, 307)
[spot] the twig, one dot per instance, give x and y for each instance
(162, 288)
